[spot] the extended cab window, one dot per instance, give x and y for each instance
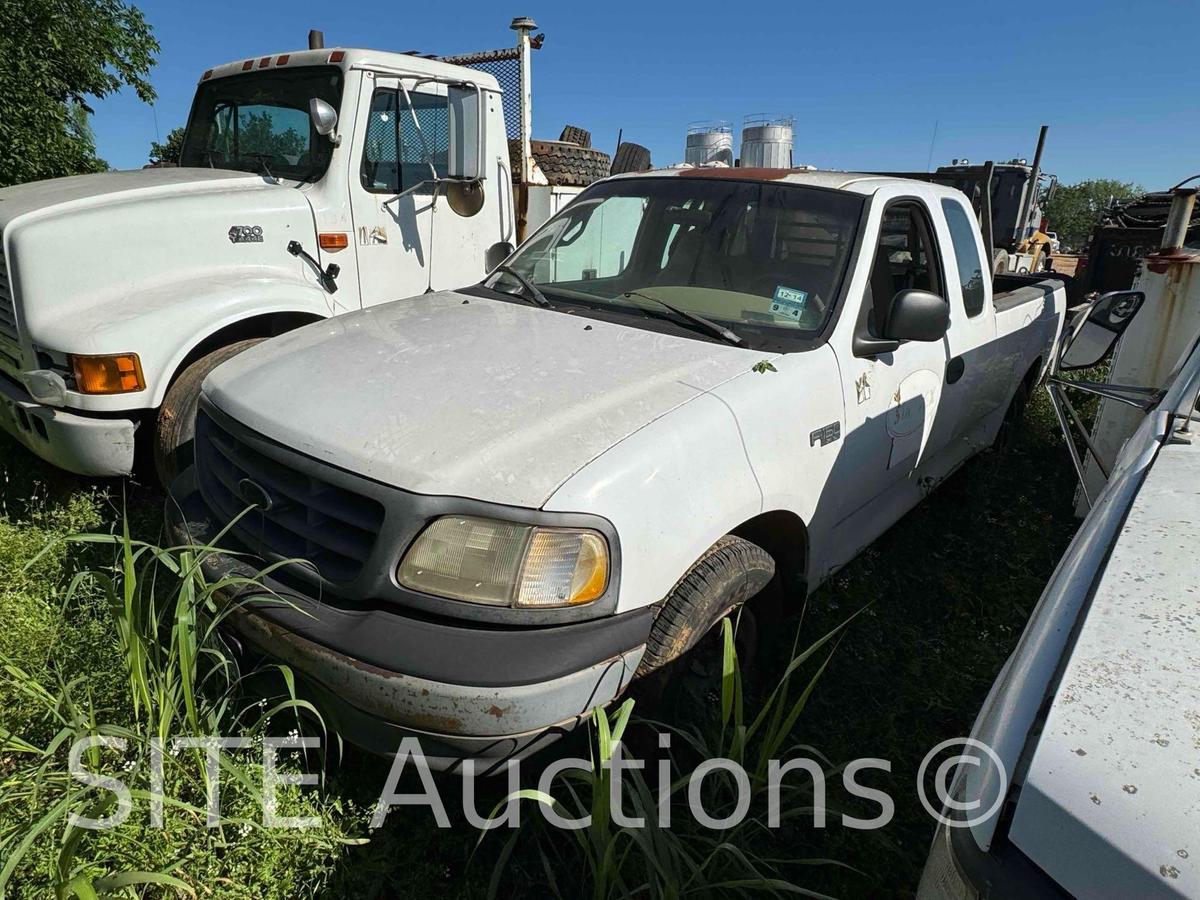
(905, 259)
(396, 154)
(259, 122)
(966, 253)
(766, 258)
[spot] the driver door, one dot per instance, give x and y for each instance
(892, 399)
(407, 237)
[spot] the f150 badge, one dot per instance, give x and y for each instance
(826, 435)
(245, 234)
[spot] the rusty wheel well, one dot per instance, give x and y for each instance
(784, 536)
(263, 326)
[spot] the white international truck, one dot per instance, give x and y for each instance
(311, 183)
(515, 497)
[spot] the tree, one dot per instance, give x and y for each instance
(257, 141)
(257, 135)
(54, 55)
(1075, 209)
(169, 151)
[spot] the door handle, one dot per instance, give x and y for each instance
(955, 369)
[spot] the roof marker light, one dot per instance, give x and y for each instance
(207, 75)
(247, 65)
(337, 56)
(264, 62)
(282, 61)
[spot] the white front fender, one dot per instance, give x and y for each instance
(671, 489)
(163, 325)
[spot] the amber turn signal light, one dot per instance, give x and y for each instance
(333, 240)
(120, 374)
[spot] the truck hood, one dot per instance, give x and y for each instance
(467, 396)
(88, 253)
(36, 196)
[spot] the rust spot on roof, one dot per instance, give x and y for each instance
(741, 174)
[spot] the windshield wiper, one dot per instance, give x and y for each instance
(262, 161)
(707, 324)
(531, 291)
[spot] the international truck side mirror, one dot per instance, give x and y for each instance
(917, 316)
(1093, 336)
(496, 254)
(468, 136)
(324, 118)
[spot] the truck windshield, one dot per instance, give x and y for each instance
(259, 122)
(764, 258)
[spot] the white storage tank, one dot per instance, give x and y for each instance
(709, 143)
(767, 142)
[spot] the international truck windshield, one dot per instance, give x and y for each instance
(259, 122)
(766, 258)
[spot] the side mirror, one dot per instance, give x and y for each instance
(496, 254)
(1094, 335)
(324, 117)
(468, 135)
(917, 316)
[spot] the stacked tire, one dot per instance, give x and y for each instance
(568, 164)
(630, 157)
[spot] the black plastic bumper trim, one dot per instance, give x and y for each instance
(464, 653)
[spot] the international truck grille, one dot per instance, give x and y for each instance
(8, 314)
(283, 513)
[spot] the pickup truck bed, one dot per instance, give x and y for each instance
(1010, 291)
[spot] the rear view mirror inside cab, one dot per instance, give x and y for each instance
(685, 216)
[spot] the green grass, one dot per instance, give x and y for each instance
(946, 595)
(127, 653)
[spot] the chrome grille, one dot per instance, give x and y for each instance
(307, 518)
(8, 314)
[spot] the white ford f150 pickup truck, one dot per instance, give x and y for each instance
(517, 496)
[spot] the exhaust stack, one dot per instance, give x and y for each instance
(316, 39)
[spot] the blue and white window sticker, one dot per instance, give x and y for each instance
(789, 302)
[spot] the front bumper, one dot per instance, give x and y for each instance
(379, 673)
(85, 445)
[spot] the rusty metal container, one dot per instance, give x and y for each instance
(1163, 330)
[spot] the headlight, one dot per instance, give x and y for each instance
(506, 564)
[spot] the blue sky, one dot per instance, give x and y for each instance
(866, 82)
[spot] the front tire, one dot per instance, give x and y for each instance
(729, 573)
(175, 425)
